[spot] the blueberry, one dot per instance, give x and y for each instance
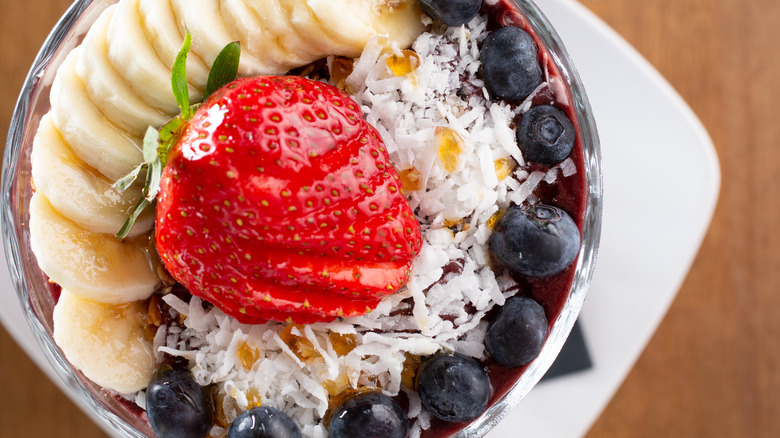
(545, 135)
(370, 415)
(176, 405)
(453, 387)
(263, 422)
(451, 12)
(537, 240)
(510, 64)
(516, 335)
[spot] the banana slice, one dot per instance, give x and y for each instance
(209, 36)
(107, 90)
(79, 193)
(356, 30)
(257, 37)
(399, 20)
(133, 56)
(97, 142)
(106, 342)
(91, 265)
(275, 26)
(159, 24)
(313, 33)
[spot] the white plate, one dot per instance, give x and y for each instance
(653, 224)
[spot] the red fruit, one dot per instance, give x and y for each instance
(279, 202)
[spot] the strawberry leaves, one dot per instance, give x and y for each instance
(179, 78)
(157, 144)
(225, 68)
(152, 152)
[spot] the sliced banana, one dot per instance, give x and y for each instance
(106, 89)
(313, 33)
(355, 28)
(91, 265)
(79, 193)
(210, 36)
(258, 38)
(95, 140)
(159, 24)
(133, 56)
(275, 26)
(106, 342)
(399, 20)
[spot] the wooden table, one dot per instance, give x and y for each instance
(712, 369)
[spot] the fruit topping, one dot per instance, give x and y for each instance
(342, 343)
(75, 191)
(300, 345)
(368, 414)
(409, 372)
(510, 64)
(403, 64)
(411, 179)
(177, 406)
(545, 135)
(450, 148)
(280, 202)
(518, 333)
(264, 422)
(106, 342)
(451, 12)
(91, 265)
(537, 240)
(340, 69)
(504, 168)
(157, 144)
(453, 387)
(247, 355)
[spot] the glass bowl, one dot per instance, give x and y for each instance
(36, 295)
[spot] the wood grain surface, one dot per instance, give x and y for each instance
(711, 370)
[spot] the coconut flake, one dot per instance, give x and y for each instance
(527, 187)
(568, 168)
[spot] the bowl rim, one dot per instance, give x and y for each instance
(14, 231)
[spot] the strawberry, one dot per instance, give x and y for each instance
(279, 202)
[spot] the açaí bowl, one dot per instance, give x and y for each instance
(35, 292)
